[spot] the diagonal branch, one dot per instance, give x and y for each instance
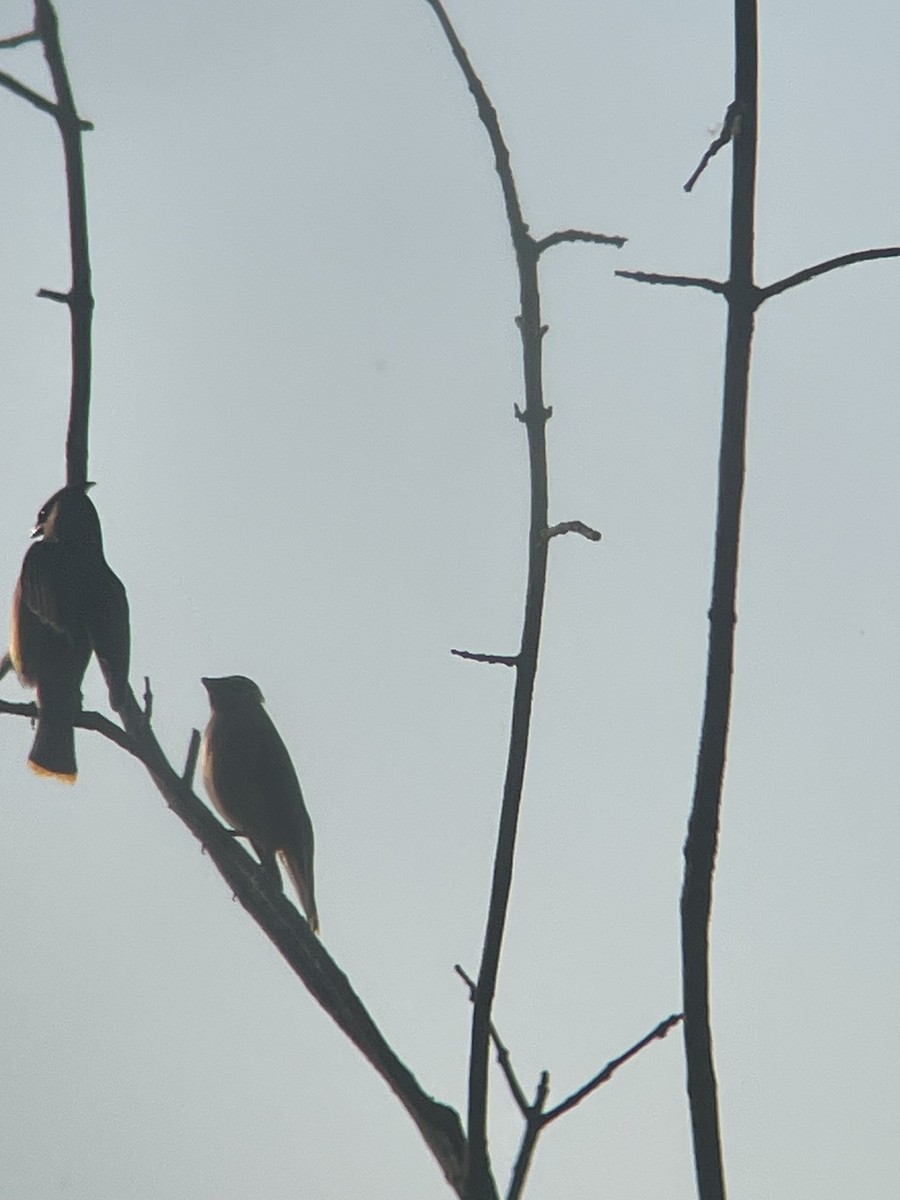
(503, 1057)
(26, 93)
(698, 281)
(279, 920)
(18, 39)
(610, 1069)
(822, 268)
(534, 1124)
(731, 126)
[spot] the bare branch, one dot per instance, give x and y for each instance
(260, 895)
(530, 1135)
(592, 535)
(25, 93)
(85, 720)
(579, 235)
(541, 415)
(697, 281)
(480, 1184)
(59, 297)
(18, 39)
(80, 299)
(504, 660)
(822, 268)
(731, 127)
(190, 763)
(503, 1057)
(611, 1067)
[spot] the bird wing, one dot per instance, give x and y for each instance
(279, 783)
(292, 828)
(43, 583)
(109, 631)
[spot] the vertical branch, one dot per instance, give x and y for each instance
(79, 298)
(703, 828)
(534, 415)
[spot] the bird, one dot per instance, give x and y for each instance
(68, 604)
(251, 781)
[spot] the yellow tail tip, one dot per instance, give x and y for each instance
(63, 776)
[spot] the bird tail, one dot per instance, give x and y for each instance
(302, 876)
(53, 752)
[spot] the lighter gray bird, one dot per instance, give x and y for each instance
(252, 783)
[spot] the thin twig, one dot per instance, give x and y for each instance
(190, 762)
(26, 93)
(610, 1069)
(697, 281)
(592, 535)
(503, 660)
(18, 39)
(84, 720)
(533, 1127)
(503, 1057)
(57, 297)
(731, 126)
(822, 268)
(579, 235)
(480, 1184)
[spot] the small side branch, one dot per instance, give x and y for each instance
(579, 235)
(503, 1057)
(822, 268)
(25, 93)
(18, 39)
(534, 1125)
(504, 660)
(57, 297)
(85, 720)
(190, 763)
(731, 127)
(611, 1067)
(592, 535)
(697, 281)
(488, 116)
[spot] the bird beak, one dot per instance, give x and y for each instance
(38, 531)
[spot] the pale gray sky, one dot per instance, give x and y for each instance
(309, 472)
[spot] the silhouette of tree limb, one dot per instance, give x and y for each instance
(503, 1056)
(610, 1069)
(503, 660)
(480, 1184)
(822, 268)
(18, 39)
(731, 125)
(79, 297)
(698, 281)
(579, 235)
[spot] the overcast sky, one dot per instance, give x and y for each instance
(309, 472)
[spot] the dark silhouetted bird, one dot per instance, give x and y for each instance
(252, 783)
(68, 604)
